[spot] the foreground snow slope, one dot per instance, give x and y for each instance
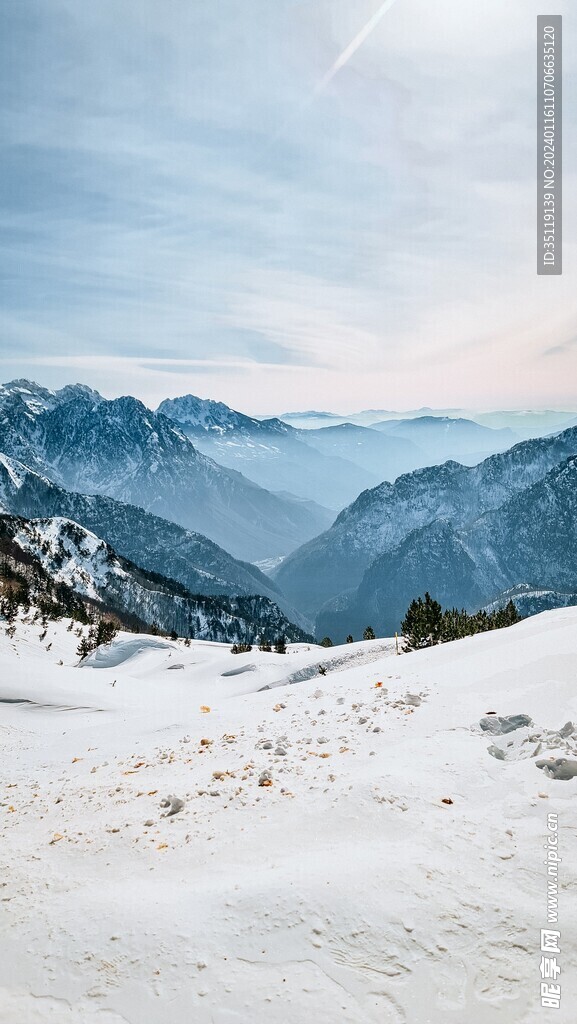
(346, 891)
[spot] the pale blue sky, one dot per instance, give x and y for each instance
(184, 209)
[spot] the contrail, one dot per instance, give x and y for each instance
(340, 62)
(353, 46)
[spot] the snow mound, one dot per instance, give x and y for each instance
(119, 651)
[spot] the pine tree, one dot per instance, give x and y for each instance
(84, 647)
(326, 642)
(369, 633)
(455, 624)
(104, 632)
(280, 645)
(350, 639)
(509, 614)
(423, 623)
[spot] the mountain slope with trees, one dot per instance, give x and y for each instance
(156, 544)
(73, 572)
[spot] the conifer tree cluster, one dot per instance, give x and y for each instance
(23, 584)
(102, 632)
(264, 645)
(426, 623)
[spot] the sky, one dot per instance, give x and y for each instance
(298, 204)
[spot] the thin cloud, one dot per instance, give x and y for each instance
(561, 349)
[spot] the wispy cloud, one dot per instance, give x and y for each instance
(381, 252)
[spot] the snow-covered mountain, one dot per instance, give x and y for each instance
(153, 493)
(156, 544)
(380, 519)
(530, 540)
(532, 601)
(207, 415)
(122, 449)
(68, 554)
(38, 399)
